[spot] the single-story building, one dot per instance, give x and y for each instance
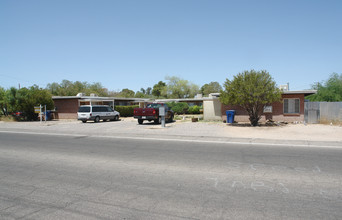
(67, 106)
(290, 109)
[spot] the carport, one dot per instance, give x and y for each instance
(67, 106)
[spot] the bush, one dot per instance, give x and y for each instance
(126, 111)
(178, 107)
(194, 109)
(171, 104)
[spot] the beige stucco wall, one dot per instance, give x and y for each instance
(211, 109)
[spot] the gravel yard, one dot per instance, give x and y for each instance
(130, 127)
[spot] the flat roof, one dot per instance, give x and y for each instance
(179, 100)
(101, 98)
(305, 92)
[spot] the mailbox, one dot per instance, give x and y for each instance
(162, 111)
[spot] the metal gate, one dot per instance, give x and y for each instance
(312, 112)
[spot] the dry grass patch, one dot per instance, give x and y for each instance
(7, 119)
(331, 122)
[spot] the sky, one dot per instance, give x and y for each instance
(137, 43)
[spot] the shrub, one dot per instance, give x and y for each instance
(180, 108)
(171, 104)
(126, 111)
(194, 109)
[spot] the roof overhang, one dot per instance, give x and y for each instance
(93, 98)
(179, 100)
(305, 92)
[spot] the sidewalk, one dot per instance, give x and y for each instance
(298, 134)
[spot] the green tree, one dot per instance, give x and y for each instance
(127, 93)
(77, 87)
(149, 91)
(54, 88)
(3, 101)
(114, 93)
(180, 88)
(10, 100)
(251, 90)
(330, 91)
(139, 95)
(159, 89)
(97, 89)
(34, 96)
(24, 100)
(212, 87)
(68, 88)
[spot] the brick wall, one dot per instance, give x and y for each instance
(277, 111)
(66, 108)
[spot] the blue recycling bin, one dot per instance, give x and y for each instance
(48, 115)
(230, 116)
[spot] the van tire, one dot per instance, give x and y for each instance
(140, 121)
(84, 121)
(97, 119)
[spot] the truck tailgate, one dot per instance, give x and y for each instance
(144, 112)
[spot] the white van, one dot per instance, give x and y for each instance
(97, 113)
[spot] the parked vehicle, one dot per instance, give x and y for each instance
(151, 113)
(19, 116)
(97, 113)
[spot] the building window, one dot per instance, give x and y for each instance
(291, 106)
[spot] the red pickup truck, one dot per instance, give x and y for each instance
(151, 112)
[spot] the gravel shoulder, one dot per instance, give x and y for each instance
(128, 127)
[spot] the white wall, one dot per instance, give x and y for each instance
(212, 109)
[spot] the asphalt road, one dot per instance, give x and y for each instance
(80, 177)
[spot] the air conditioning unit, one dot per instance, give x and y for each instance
(285, 87)
(80, 94)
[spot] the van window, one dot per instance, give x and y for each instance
(103, 109)
(96, 109)
(84, 109)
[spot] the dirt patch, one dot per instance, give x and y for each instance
(288, 132)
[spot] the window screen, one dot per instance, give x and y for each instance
(96, 109)
(291, 106)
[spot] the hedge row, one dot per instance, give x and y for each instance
(183, 108)
(194, 110)
(126, 111)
